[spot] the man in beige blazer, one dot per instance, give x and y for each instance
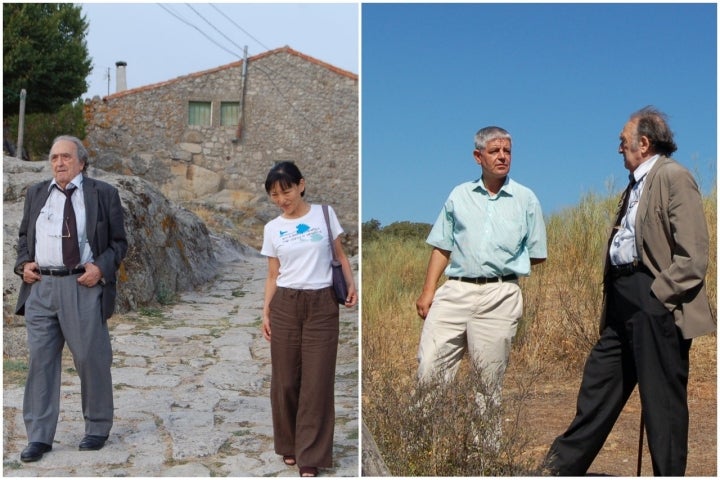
(654, 303)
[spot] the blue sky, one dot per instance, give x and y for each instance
(562, 78)
(157, 46)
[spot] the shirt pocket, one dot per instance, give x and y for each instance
(511, 234)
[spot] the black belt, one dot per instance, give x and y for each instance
(61, 272)
(484, 280)
(626, 269)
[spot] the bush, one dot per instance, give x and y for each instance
(408, 230)
(42, 128)
(371, 230)
(440, 428)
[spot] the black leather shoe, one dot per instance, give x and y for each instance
(92, 442)
(34, 451)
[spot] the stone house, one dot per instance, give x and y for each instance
(212, 136)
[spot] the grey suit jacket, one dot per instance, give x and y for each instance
(105, 232)
(671, 237)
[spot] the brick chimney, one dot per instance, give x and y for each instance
(120, 79)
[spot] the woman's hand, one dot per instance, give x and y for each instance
(352, 297)
(270, 289)
(265, 327)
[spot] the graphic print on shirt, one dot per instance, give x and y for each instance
(302, 233)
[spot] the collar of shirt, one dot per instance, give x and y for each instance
(506, 187)
(644, 168)
(77, 182)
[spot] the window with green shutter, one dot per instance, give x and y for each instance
(229, 113)
(200, 113)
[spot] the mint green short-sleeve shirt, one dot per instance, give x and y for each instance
(490, 236)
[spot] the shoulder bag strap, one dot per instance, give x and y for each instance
(327, 223)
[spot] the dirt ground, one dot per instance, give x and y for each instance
(551, 407)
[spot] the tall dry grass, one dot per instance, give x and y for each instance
(562, 306)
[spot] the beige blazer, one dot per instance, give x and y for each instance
(671, 237)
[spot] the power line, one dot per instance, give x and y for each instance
(238, 26)
(198, 29)
(213, 26)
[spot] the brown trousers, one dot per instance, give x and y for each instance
(303, 349)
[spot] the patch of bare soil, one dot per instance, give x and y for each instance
(551, 406)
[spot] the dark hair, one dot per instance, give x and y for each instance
(285, 174)
(653, 124)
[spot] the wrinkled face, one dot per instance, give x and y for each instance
(495, 158)
(630, 147)
(288, 198)
(64, 162)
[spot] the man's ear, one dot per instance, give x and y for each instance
(644, 144)
(478, 158)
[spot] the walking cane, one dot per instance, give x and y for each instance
(640, 444)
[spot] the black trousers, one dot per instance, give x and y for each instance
(640, 345)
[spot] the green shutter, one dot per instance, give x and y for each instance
(229, 113)
(199, 113)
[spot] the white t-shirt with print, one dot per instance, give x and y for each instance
(301, 245)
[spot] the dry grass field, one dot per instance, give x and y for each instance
(562, 302)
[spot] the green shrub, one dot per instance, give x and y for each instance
(42, 128)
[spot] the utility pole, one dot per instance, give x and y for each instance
(21, 125)
(241, 107)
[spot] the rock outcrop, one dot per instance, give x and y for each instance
(170, 248)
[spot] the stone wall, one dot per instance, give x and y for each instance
(295, 108)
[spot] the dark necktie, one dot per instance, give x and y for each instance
(70, 246)
(625, 200)
(622, 207)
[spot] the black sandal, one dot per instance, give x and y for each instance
(289, 460)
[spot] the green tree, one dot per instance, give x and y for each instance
(44, 52)
(42, 128)
(370, 230)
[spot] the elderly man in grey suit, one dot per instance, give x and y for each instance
(69, 249)
(655, 302)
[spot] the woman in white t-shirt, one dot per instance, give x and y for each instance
(301, 310)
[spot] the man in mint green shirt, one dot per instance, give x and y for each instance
(488, 234)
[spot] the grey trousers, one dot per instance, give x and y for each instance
(59, 310)
(305, 330)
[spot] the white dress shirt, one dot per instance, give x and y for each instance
(49, 226)
(622, 248)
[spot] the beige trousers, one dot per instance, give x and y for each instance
(481, 319)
